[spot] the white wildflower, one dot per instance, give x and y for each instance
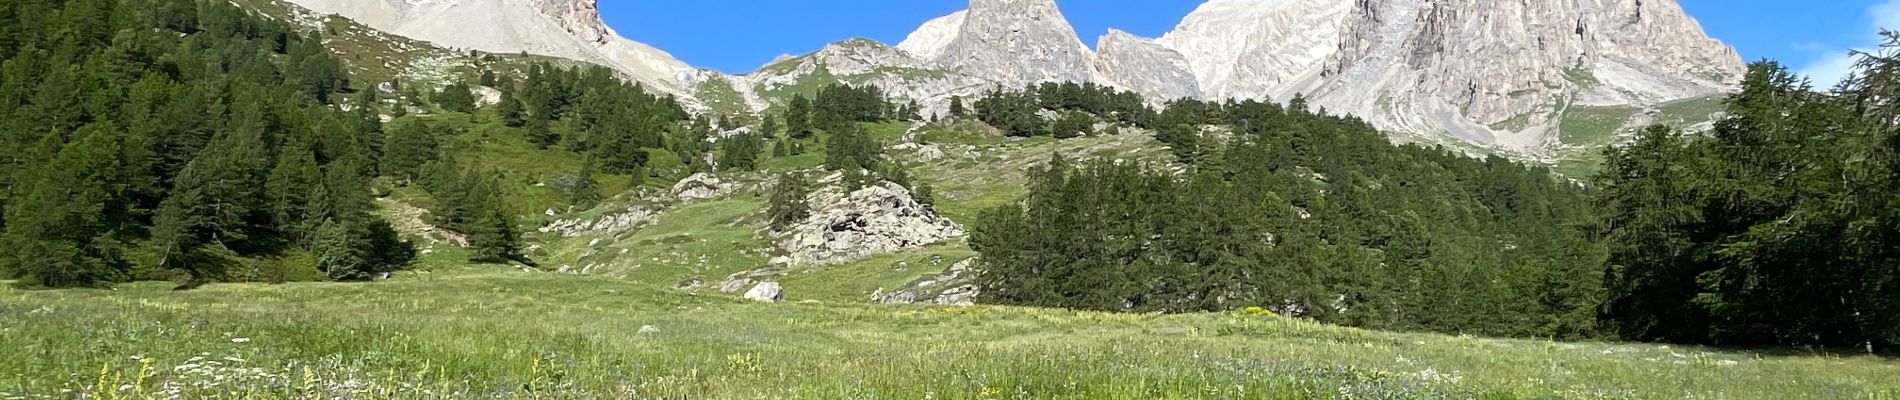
(240, 340)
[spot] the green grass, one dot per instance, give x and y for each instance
(704, 240)
(719, 95)
(1581, 77)
(1691, 111)
(461, 332)
(1593, 126)
(1514, 124)
(854, 282)
(485, 144)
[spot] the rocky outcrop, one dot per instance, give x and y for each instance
(1011, 42)
(625, 220)
(874, 220)
(953, 287)
(700, 186)
(1144, 66)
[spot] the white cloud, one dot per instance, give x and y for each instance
(1830, 66)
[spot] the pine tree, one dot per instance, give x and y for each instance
(491, 232)
(539, 134)
(770, 127)
(798, 118)
(60, 229)
(741, 152)
(509, 109)
(215, 202)
(586, 191)
(407, 150)
(456, 97)
(339, 253)
(956, 106)
(1073, 124)
(289, 189)
(788, 201)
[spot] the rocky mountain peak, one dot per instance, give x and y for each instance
(1013, 42)
(929, 40)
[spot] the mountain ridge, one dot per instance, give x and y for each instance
(1485, 74)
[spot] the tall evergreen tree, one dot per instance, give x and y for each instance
(798, 118)
(788, 205)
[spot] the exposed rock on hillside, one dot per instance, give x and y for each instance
(874, 220)
(700, 186)
(952, 287)
(1144, 66)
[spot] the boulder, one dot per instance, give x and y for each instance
(766, 291)
(700, 186)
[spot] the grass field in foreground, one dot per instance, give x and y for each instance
(478, 332)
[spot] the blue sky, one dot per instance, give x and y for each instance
(738, 36)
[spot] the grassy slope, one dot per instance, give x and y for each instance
(459, 332)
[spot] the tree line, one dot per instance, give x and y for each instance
(1307, 214)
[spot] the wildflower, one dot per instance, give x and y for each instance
(240, 340)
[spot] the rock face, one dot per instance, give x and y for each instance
(569, 29)
(1144, 66)
(1257, 49)
(874, 220)
(1010, 42)
(1457, 67)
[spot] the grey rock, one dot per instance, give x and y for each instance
(700, 186)
(1016, 42)
(766, 292)
(877, 219)
(1144, 66)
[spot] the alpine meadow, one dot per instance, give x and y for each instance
(1278, 199)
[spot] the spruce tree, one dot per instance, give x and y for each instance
(770, 127)
(798, 118)
(586, 191)
(456, 97)
(407, 149)
(60, 230)
(788, 201)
